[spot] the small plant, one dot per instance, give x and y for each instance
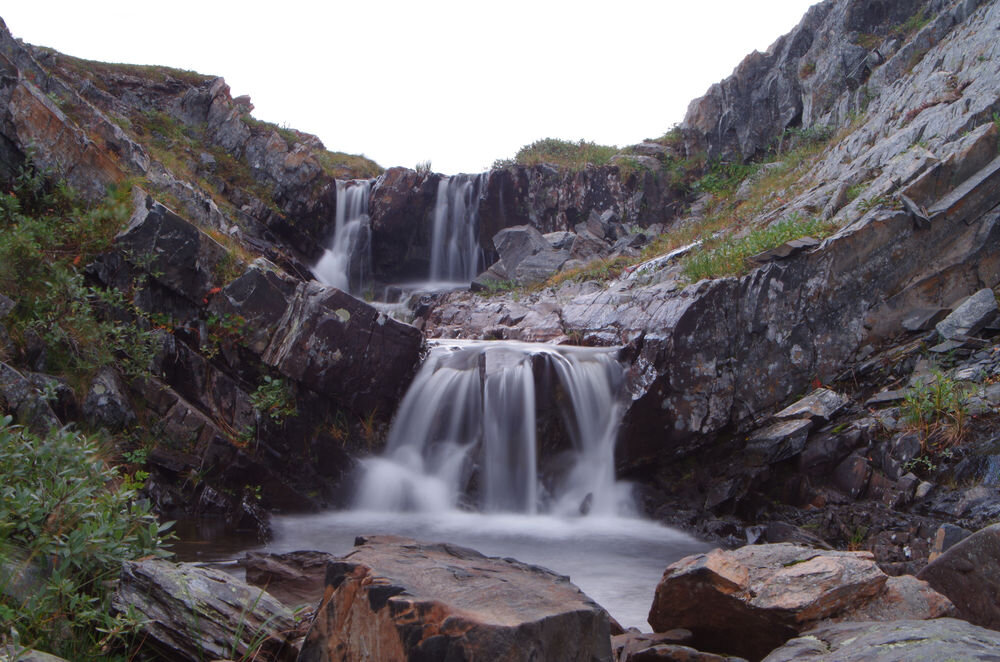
(857, 538)
(423, 168)
(937, 405)
(273, 398)
(807, 69)
(913, 24)
(921, 463)
(564, 153)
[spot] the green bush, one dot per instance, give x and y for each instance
(564, 153)
(67, 522)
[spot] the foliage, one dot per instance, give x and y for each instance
(728, 256)
(723, 177)
(67, 522)
(563, 153)
(913, 24)
(605, 269)
(807, 69)
(274, 399)
(423, 168)
(937, 405)
(46, 236)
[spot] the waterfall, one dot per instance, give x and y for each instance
(346, 261)
(466, 435)
(455, 252)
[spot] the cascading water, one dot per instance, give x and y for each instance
(344, 263)
(470, 418)
(455, 252)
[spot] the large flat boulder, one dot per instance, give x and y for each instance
(749, 601)
(195, 614)
(892, 641)
(969, 574)
(394, 599)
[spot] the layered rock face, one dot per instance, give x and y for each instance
(397, 599)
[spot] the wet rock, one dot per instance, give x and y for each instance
(821, 404)
(750, 600)
(892, 641)
(969, 574)
(970, 317)
(525, 255)
(106, 405)
(258, 299)
(295, 578)
(193, 613)
(395, 599)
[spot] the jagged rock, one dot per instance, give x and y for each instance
(947, 536)
(778, 441)
(193, 613)
(295, 578)
(526, 255)
(820, 405)
(22, 399)
(893, 641)
(561, 239)
(969, 574)
(787, 249)
(852, 475)
(970, 317)
(106, 404)
(342, 347)
(395, 599)
(750, 600)
(824, 451)
(260, 298)
(924, 319)
(629, 643)
(400, 208)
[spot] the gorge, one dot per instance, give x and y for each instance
(771, 332)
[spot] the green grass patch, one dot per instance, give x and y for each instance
(728, 256)
(562, 153)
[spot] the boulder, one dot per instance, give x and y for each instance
(750, 600)
(22, 399)
(193, 613)
(947, 536)
(394, 599)
(969, 574)
(777, 442)
(526, 255)
(892, 641)
(970, 317)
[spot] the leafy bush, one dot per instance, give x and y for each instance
(935, 405)
(274, 399)
(67, 522)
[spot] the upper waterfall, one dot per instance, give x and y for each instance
(466, 433)
(455, 252)
(346, 261)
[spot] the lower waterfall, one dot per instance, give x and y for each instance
(466, 434)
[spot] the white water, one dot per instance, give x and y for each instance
(455, 252)
(345, 261)
(470, 413)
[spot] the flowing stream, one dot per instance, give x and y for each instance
(508, 448)
(346, 261)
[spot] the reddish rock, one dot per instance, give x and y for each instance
(295, 578)
(969, 574)
(394, 599)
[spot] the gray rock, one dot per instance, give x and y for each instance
(969, 574)
(562, 239)
(295, 578)
(778, 441)
(395, 599)
(820, 405)
(970, 317)
(6, 305)
(106, 404)
(516, 243)
(947, 536)
(23, 399)
(852, 475)
(924, 319)
(892, 641)
(785, 250)
(193, 613)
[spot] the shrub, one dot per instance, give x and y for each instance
(937, 405)
(564, 153)
(67, 522)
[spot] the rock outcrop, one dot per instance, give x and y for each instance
(191, 613)
(395, 599)
(968, 574)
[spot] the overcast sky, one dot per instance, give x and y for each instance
(457, 83)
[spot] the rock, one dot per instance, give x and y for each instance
(10, 653)
(825, 450)
(970, 317)
(892, 641)
(778, 441)
(969, 574)
(560, 240)
(924, 319)
(194, 613)
(6, 305)
(526, 255)
(776, 532)
(750, 600)
(947, 536)
(339, 346)
(394, 599)
(886, 398)
(295, 578)
(22, 399)
(675, 653)
(259, 299)
(852, 475)
(106, 405)
(628, 643)
(904, 597)
(821, 404)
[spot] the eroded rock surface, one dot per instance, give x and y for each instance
(394, 599)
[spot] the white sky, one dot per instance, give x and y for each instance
(459, 83)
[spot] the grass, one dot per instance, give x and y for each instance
(562, 153)
(729, 256)
(936, 408)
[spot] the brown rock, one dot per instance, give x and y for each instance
(750, 600)
(295, 578)
(394, 599)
